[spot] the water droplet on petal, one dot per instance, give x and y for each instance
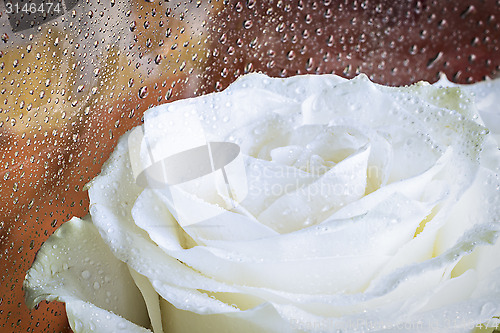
(86, 275)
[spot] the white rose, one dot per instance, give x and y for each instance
(361, 208)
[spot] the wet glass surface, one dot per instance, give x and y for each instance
(73, 81)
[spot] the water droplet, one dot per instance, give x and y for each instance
(488, 310)
(168, 95)
(132, 25)
(78, 325)
(143, 92)
(308, 18)
(248, 67)
(309, 64)
(223, 38)
(247, 24)
(86, 275)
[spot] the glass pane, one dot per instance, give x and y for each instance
(78, 74)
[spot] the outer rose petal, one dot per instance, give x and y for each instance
(75, 266)
(112, 196)
(487, 100)
(263, 318)
(86, 317)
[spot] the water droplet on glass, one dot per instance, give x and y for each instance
(247, 24)
(223, 38)
(143, 92)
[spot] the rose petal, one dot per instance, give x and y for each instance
(151, 298)
(404, 300)
(75, 266)
(151, 212)
(329, 252)
(86, 317)
(487, 101)
(262, 318)
(332, 143)
(335, 237)
(220, 114)
(112, 196)
(471, 210)
(320, 198)
(219, 265)
(267, 181)
(413, 188)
